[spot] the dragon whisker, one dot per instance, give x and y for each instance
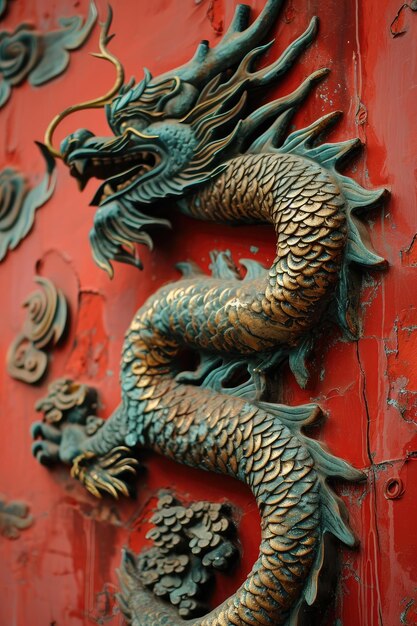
(96, 102)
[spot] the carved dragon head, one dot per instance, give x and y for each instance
(176, 131)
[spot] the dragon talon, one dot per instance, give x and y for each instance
(102, 474)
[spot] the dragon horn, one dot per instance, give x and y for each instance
(239, 39)
(97, 102)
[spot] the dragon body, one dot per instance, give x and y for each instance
(186, 135)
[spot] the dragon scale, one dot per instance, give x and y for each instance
(190, 136)
(221, 433)
(305, 206)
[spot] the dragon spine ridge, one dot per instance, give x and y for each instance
(188, 135)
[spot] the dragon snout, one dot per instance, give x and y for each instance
(71, 144)
(82, 152)
(74, 141)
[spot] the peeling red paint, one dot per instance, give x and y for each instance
(399, 25)
(408, 616)
(106, 606)
(289, 12)
(89, 356)
(401, 349)
(215, 14)
(409, 254)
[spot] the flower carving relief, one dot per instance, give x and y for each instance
(27, 54)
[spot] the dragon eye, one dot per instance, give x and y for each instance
(138, 123)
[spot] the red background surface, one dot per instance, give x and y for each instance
(62, 570)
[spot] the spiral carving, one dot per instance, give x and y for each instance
(13, 190)
(19, 53)
(45, 323)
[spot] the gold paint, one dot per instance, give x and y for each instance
(96, 102)
(132, 131)
(100, 474)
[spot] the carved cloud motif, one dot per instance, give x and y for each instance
(47, 312)
(28, 54)
(18, 204)
(14, 517)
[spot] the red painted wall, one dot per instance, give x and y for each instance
(62, 570)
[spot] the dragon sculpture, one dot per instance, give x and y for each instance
(197, 135)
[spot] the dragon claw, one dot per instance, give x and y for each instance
(101, 475)
(66, 433)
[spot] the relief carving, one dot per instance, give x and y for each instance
(68, 418)
(28, 54)
(195, 135)
(46, 319)
(14, 517)
(18, 203)
(190, 543)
